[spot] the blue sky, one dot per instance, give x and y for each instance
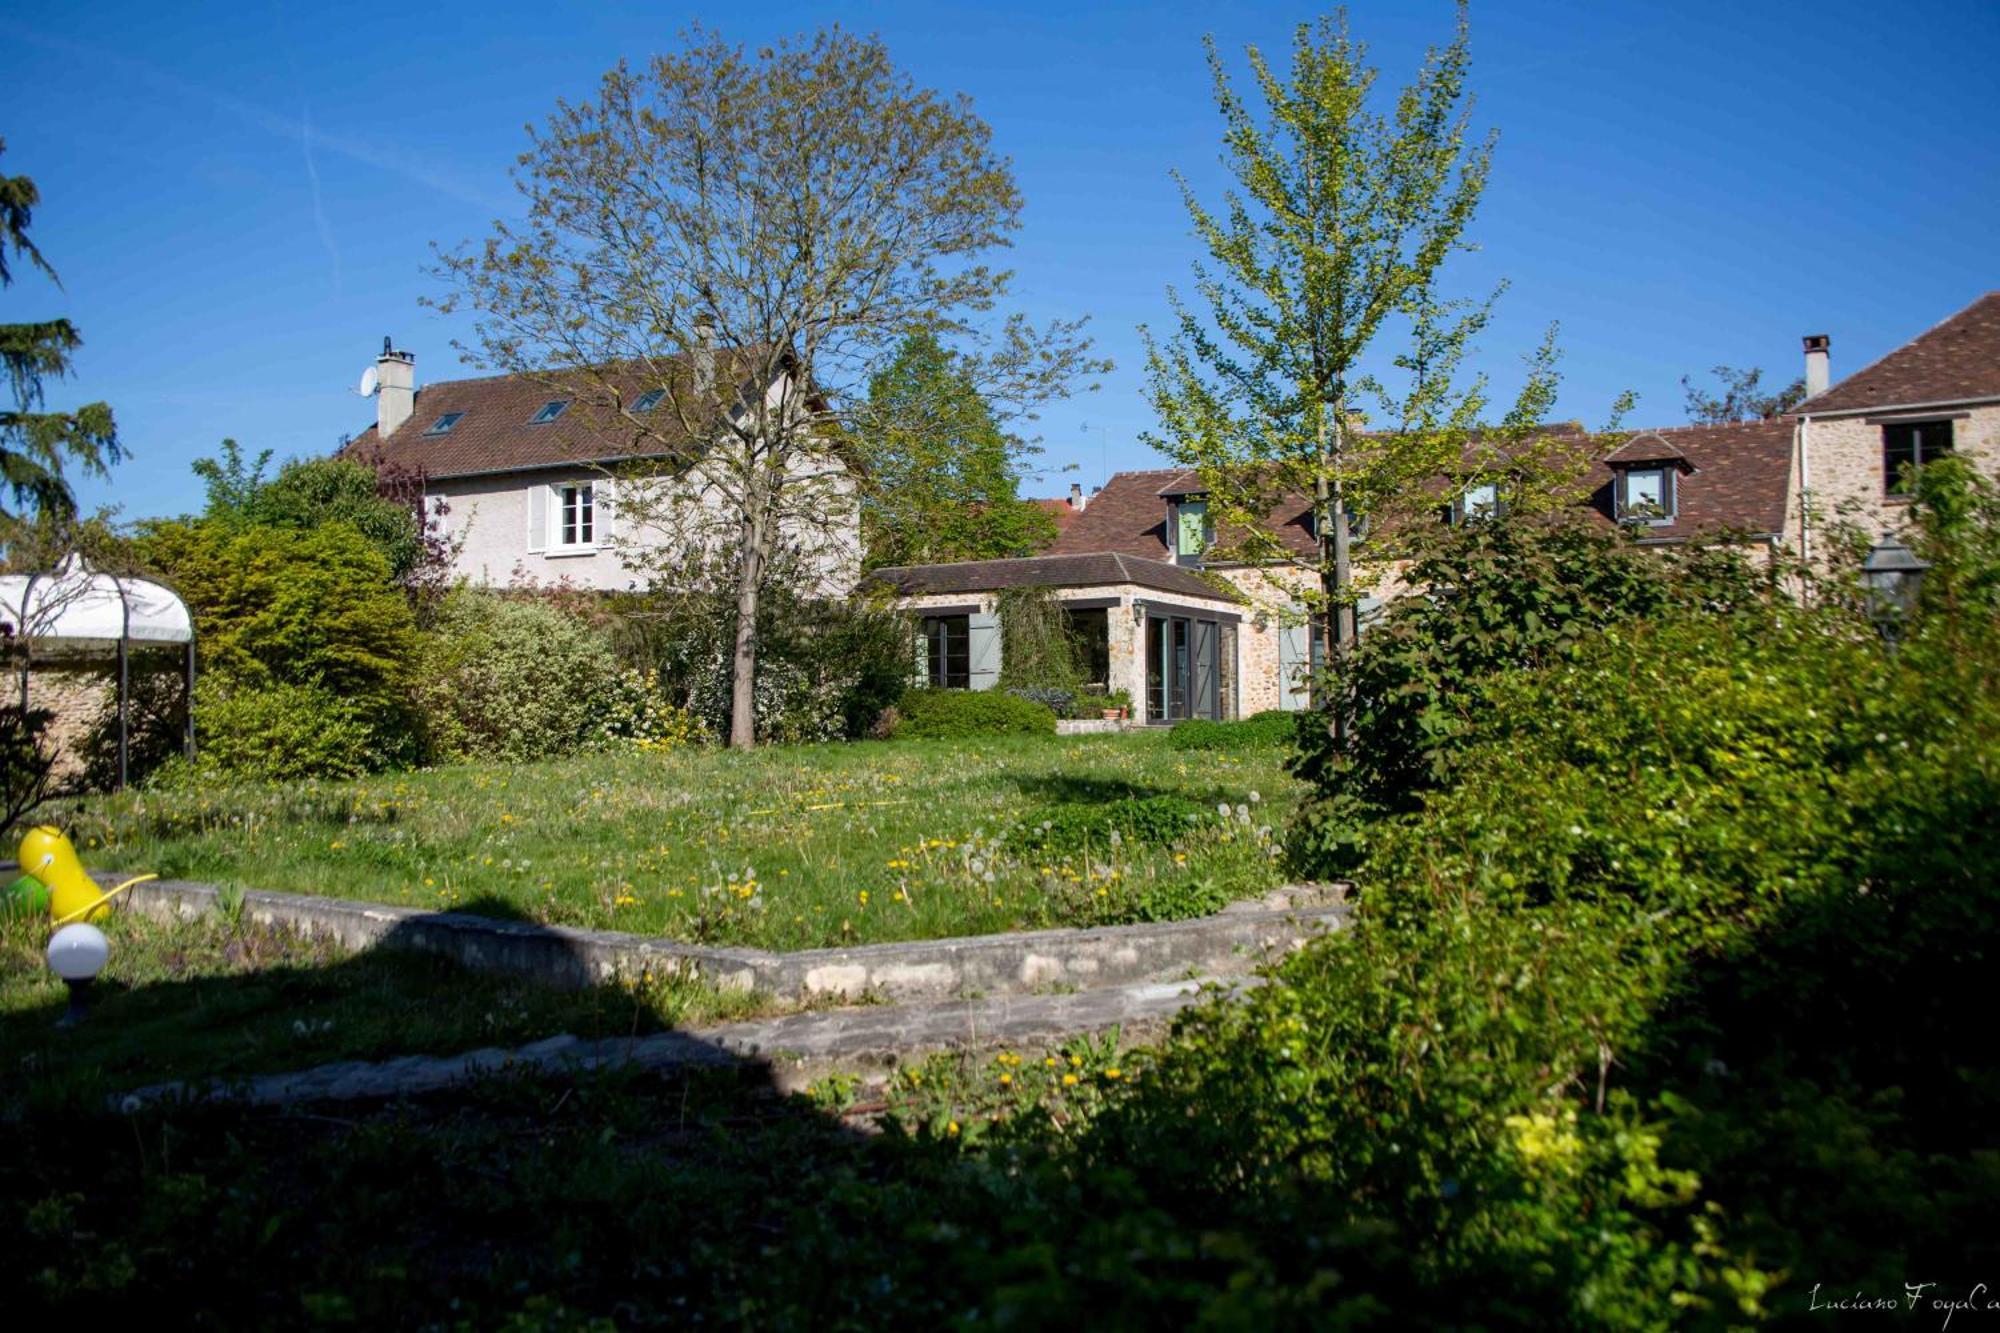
(240, 198)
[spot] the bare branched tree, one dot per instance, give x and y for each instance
(720, 251)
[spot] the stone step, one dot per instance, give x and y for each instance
(794, 1048)
(1231, 943)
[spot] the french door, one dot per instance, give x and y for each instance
(1185, 673)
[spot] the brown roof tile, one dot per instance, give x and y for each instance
(1059, 509)
(1739, 479)
(1091, 570)
(1952, 362)
(1130, 515)
(496, 433)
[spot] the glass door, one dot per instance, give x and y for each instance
(1183, 676)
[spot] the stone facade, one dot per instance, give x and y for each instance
(1126, 630)
(1844, 478)
(80, 693)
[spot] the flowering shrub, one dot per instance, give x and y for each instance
(637, 713)
(510, 679)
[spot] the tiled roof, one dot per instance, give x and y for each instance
(1092, 570)
(1955, 361)
(1740, 477)
(1648, 447)
(1130, 515)
(1060, 510)
(496, 433)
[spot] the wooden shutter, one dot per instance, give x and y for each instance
(538, 518)
(605, 501)
(1294, 654)
(984, 633)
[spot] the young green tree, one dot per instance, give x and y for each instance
(37, 445)
(1320, 311)
(753, 236)
(943, 480)
(1741, 399)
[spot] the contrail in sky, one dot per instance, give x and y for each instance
(249, 113)
(319, 209)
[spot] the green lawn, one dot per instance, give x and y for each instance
(784, 848)
(201, 998)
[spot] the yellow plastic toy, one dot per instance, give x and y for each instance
(47, 854)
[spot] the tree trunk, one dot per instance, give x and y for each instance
(743, 665)
(1338, 630)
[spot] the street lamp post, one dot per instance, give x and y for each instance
(1891, 577)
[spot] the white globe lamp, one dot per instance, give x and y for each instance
(77, 953)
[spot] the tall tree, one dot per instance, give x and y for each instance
(37, 445)
(1320, 312)
(754, 236)
(943, 481)
(1740, 400)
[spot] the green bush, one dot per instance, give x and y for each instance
(1270, 728)
(1148, 821)
(827, 669)
(1670, 987)
(512, 679)
(276, 732)
(956, 714)
(311, 607)
(1496, 596)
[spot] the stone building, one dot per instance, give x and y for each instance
(1763, 484)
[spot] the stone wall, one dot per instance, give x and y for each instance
(79, 694)
(1844, 476)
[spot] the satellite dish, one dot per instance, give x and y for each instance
(370, 381)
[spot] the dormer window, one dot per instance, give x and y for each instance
(1479, 500)
(648, 400)
(443, 425)
(1645, 479)
(1646, 494)
(552, 409)
(1191, 530)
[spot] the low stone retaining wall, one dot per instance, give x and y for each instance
(1093, 726)
(1230, 943)
(870, 1042)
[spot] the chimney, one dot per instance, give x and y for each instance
(1076, 500)
(396, 389)
(1816, 363)
(704, 356)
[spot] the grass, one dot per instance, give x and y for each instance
(202, 998)
(784, 848)
(613, 1199)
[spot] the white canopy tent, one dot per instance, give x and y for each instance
(77, 607)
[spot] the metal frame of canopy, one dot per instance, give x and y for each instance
(88, 590)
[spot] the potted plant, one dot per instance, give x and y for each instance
(1118, 705)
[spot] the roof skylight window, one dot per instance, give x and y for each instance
(552, 409)
(648, 400)
(443, 425)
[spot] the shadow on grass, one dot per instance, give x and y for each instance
(1834, 1078)
(573, 1200)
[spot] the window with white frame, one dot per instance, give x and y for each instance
(576, 514)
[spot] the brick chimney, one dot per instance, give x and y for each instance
(1076, 500)
(1818, 372)
(396, 389)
